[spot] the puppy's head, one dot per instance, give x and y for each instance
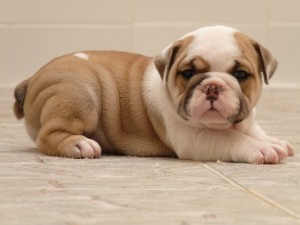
(213, 76)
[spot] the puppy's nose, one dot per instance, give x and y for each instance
(212, 92)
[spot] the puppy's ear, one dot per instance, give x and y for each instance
(267, 62)
(164, 61)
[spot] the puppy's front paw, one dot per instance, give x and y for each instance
(284, 144)
(270, 153)
(78, 146)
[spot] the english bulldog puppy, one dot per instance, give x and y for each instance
(195, 100)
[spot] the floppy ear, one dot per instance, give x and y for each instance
(164, 61)
(268, 63)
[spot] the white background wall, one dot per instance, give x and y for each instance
(32, 32)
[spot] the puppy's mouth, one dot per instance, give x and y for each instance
(212, 114)
(212, 109)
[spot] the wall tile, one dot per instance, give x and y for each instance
(284, 11)
(150, 39)
(34, 31)
(284, 43)
(26, 49)
(201, 10)
(66, 11)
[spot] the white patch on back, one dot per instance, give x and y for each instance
(82, 55)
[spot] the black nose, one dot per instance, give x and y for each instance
(212, 92)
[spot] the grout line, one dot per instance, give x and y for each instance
(252, 192)
(230, 181)
(273, 203)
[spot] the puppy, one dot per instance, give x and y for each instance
(195, 100)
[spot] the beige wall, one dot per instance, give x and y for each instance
(32, 32)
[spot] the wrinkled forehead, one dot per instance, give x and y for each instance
(216, 45)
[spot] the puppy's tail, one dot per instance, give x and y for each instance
(20, 94)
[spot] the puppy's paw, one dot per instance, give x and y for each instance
(269, 153)
(78, 146)
(284, 144)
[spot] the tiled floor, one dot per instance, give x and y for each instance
(37, 189)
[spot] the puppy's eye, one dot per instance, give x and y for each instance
(241, 75)
(187, 74)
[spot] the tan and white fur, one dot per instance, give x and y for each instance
(195, 100)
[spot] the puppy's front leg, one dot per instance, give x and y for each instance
(231, 145)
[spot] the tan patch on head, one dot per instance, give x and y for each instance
(250, 63)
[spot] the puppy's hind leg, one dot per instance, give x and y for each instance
(65, 125)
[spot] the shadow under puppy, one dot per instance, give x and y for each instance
(195, 100)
